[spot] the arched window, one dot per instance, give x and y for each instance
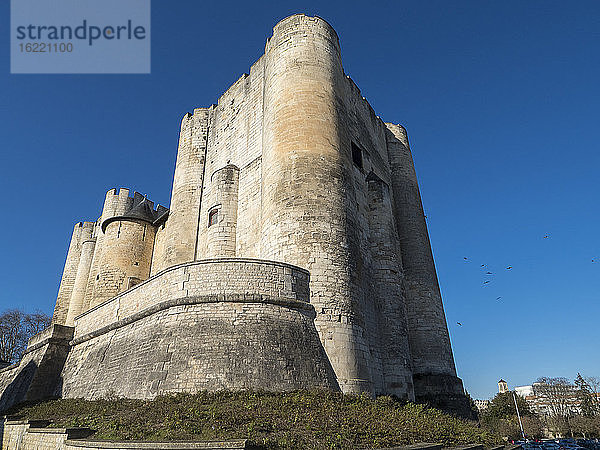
(213, 216)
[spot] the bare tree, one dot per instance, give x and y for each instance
(588, 400)
(594, 385)
(36, 322)
(559, 400)
(16, 327)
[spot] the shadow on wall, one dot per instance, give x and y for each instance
(38, 374)
(16, 391)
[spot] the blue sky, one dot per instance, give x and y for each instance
(501, 102)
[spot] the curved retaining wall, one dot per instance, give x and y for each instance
(253, 278)
(213, 324)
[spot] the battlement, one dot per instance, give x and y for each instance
(122, 194)
(114, 195)
(140, 209)
(190, 115)
(119, 205)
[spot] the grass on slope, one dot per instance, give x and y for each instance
(303, 419)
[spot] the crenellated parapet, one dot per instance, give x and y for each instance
(110, 255)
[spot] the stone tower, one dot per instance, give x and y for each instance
(294, 254)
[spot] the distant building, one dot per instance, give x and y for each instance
(482, 404)
(502, 386)
(524, 391)
(551, 400)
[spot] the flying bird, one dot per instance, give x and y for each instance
(465, 258)
(509, 267)
(546, 236)
(498, 298)
(489, 273)
(487, 281)
(459, 324)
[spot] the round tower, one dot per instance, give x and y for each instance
(222, 213)
(126, 253)
(386, 289)
(177, 241)
(434, 373)
(88, 244)
(304, 219)
(68, 277)
(502, 386)
(116, 202)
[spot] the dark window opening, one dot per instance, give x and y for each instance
(357, 155)
(213, 216)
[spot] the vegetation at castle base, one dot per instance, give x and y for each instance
(304, 419)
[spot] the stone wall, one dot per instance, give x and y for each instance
(225, 276)
(37, 375)
(204, 325)
(28, 435)
(25, 435)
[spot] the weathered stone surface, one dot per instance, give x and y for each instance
(37, 375)
(292, 165)
(187, 338)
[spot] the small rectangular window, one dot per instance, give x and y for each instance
(357, 155)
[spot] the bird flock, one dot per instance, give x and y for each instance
(489, 275)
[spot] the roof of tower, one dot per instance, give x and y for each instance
(142, 209)
(501, 381)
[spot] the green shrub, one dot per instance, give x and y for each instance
(302, 419)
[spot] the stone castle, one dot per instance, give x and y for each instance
(294, 255)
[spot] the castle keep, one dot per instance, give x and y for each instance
(294, 255)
